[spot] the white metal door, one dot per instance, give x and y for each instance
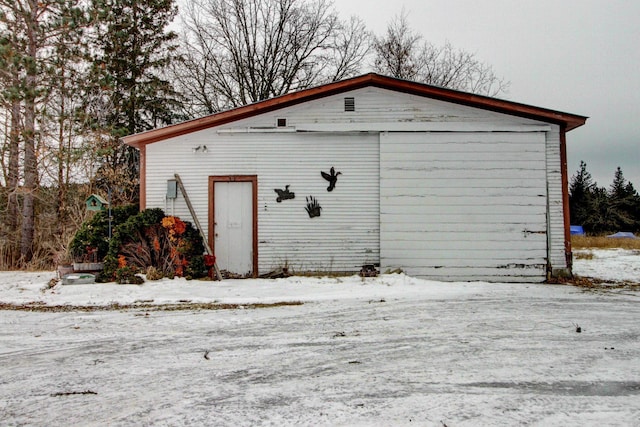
(233, 222)
(464, 205)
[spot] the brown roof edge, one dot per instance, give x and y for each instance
(569, 121)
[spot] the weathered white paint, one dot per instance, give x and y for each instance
(464, 205)
(395, 127)
(381, 106)
(462, 197)
(557, 258)
(233, 233)
(345, 236)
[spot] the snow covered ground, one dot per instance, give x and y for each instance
(392, 350)
(609, 264)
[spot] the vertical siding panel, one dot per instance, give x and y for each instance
(557, 257)
(470, 216)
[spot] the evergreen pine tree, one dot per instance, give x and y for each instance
(622, 202)
(599, 219)
(635, 206)
(132, 50)
(581, 196)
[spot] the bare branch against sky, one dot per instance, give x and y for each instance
(578, 56)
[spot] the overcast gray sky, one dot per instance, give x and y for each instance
(576, 56)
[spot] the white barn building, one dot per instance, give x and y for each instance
(439, 183)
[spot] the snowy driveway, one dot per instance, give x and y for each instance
(421, 354)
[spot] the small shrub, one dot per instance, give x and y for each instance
(93, 235)
(152, 239)
(153, 273)
(196, 268)
(128, 275)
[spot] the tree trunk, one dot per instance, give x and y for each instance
(30, 183)
(14, 172)
(13, 183)
(30, 161)
(62, 183)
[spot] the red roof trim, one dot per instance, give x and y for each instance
(567, 120)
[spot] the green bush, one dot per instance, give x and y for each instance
(94, 233)
(127, 275)
(197, 268)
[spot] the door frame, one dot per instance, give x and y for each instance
(253, 179)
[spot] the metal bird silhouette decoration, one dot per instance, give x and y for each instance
(284, 194)
(332, 177)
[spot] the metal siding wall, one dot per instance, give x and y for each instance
(464, 206)
(343, 238)
(554, 182)
(486, 191)
(375, 105)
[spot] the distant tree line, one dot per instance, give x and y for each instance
(77, 75)
(600, 210)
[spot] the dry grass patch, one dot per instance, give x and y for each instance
(144, 306)
(602, 242)
(583, 255)
(595, 284)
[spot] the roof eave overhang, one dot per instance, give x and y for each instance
(568, 120)
(565, 120)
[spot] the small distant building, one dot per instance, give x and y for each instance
(377, 171)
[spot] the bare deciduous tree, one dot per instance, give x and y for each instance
(351, 44)
(397, 53)
(242, 51)
(401, 53)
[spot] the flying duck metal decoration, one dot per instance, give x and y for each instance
(332, 177)
(284, 194)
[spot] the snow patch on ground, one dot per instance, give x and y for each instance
(609, 264)
(392, 350)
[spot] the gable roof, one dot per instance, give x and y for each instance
(566, 120)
